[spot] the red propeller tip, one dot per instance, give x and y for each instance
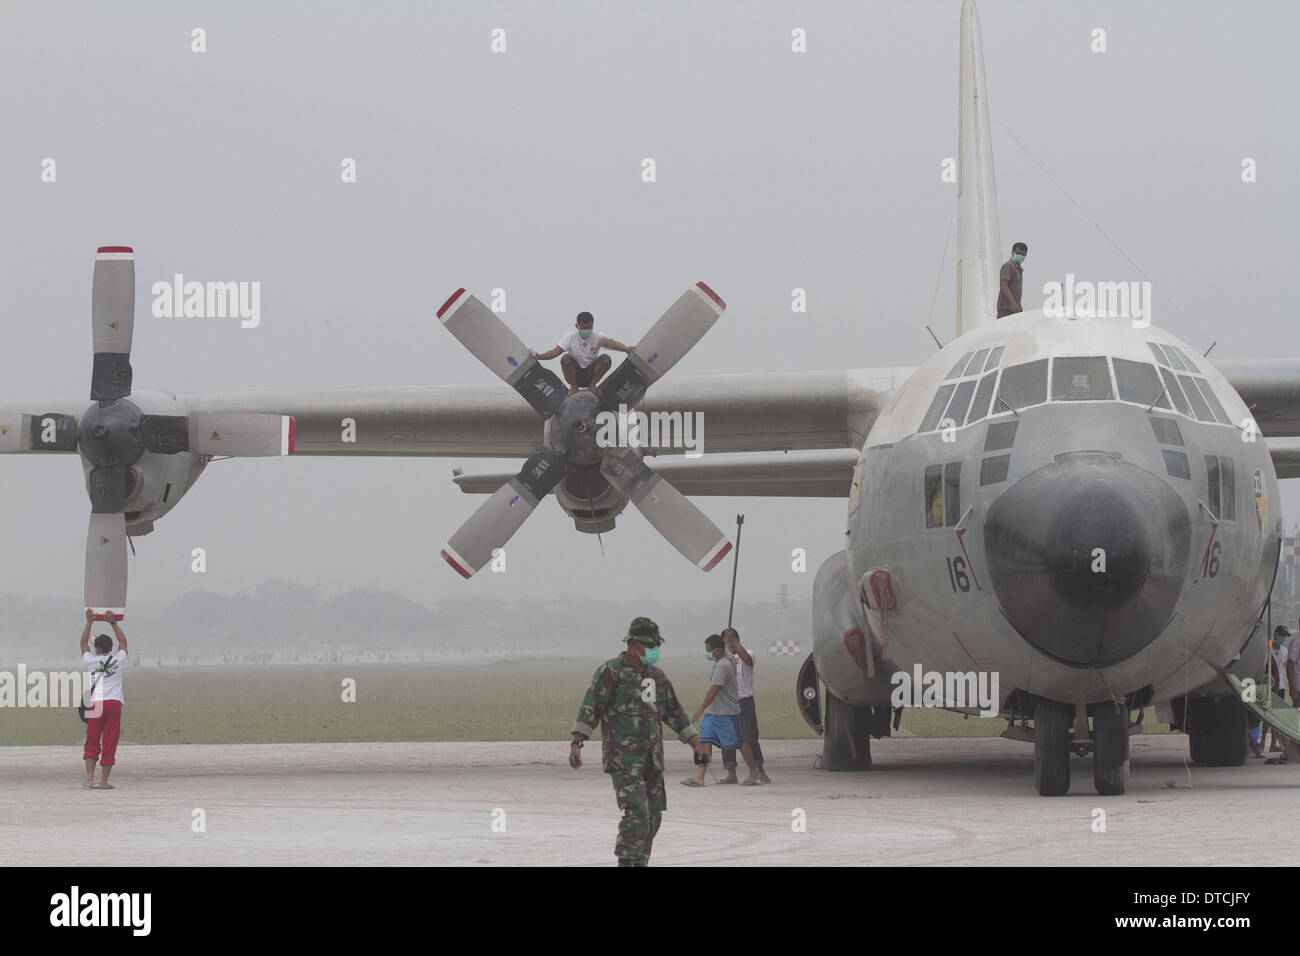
(459, 570)
(447, 305)
(712, 295)
(103, 249)
(718, 557)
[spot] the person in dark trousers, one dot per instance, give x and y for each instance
(104, 718)
(583, 365)
(749, 748)
(1011, 281)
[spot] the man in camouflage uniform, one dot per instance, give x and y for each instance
(629, 697)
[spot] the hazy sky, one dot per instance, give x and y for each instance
(521, 170)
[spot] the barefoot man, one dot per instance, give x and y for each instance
(104, 718)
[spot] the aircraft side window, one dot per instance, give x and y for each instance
(994, 470)
(952, 493)
(1199, 407)
(1166, 431)
(1000, 435)
(976, 364)
(934, 496)
(960, 401)
(994, 358)
(1022, 386)
(961, 364)
(931, 420)
(1208, 394)
(1176, 464)
(1081, 379)
(1139, 382)
(1212, 483)
(1175, 392)
(980, 407)
(1227, 490)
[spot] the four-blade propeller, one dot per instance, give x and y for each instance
(114, 434)
(571, 430)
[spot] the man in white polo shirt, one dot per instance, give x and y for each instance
(582, 364)
(750, 749)
(104, 718)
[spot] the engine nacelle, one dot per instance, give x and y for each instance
(154, 482)
(847, 659)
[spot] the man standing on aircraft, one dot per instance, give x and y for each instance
(629, 697)
(582, 364)
(105, 667)
(1011, 281)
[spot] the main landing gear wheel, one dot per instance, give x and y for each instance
(1109, 748)
(1217, 728)
(846, 743)
(1052, 722)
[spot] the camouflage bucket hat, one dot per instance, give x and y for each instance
(644, 631)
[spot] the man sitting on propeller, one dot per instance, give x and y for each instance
(582, 364)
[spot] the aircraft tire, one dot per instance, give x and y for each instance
(1218, 731)
(846, 742)
(1110, 767)
(1052, 721)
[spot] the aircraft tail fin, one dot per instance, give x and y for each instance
(979, 244)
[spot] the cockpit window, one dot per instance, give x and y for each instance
(994, 358)
(959, 404)
(959, 367)
(931, 420)
(1138, 382)
(1199, 406)
(1022, 385)
(1191, 366)
(1208, 394)
(976, 364)
(980, 407)
(1082, 379)
(1175, 392)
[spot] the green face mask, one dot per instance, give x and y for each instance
(1018, 258)
(585, 333)
(651, 655)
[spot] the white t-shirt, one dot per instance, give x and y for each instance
(109, 668)
(583, 351)
(1279, 664)
(744, 677)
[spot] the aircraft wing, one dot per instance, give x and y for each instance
(742, 412)
(1271, 389)
(799, 474)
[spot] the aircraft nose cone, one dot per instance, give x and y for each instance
(1087, 557)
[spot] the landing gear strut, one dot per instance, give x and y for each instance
(846, 743)
(1052, 721)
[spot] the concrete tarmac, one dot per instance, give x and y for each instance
(926, 801)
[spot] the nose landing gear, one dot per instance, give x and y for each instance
(1053, 744)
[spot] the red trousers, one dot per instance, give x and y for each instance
(109, 726)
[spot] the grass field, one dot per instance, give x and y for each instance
(514, 699)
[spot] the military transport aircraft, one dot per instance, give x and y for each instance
(1084, 507)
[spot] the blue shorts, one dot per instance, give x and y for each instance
(720, 730)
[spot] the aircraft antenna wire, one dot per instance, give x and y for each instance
(1094, 224)
(939, 277)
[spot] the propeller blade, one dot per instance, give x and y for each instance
(107, 490)
(669, 339)
(241, 435)
(481, 331)
(112, 319)
(165, 434)
(498, 518)
(673, 515)
(48, 432)
(106, 563)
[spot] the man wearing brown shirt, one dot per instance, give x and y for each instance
(1011, 281)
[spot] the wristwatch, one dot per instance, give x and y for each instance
(577, 743)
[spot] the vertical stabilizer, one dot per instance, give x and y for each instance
(979, 244)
